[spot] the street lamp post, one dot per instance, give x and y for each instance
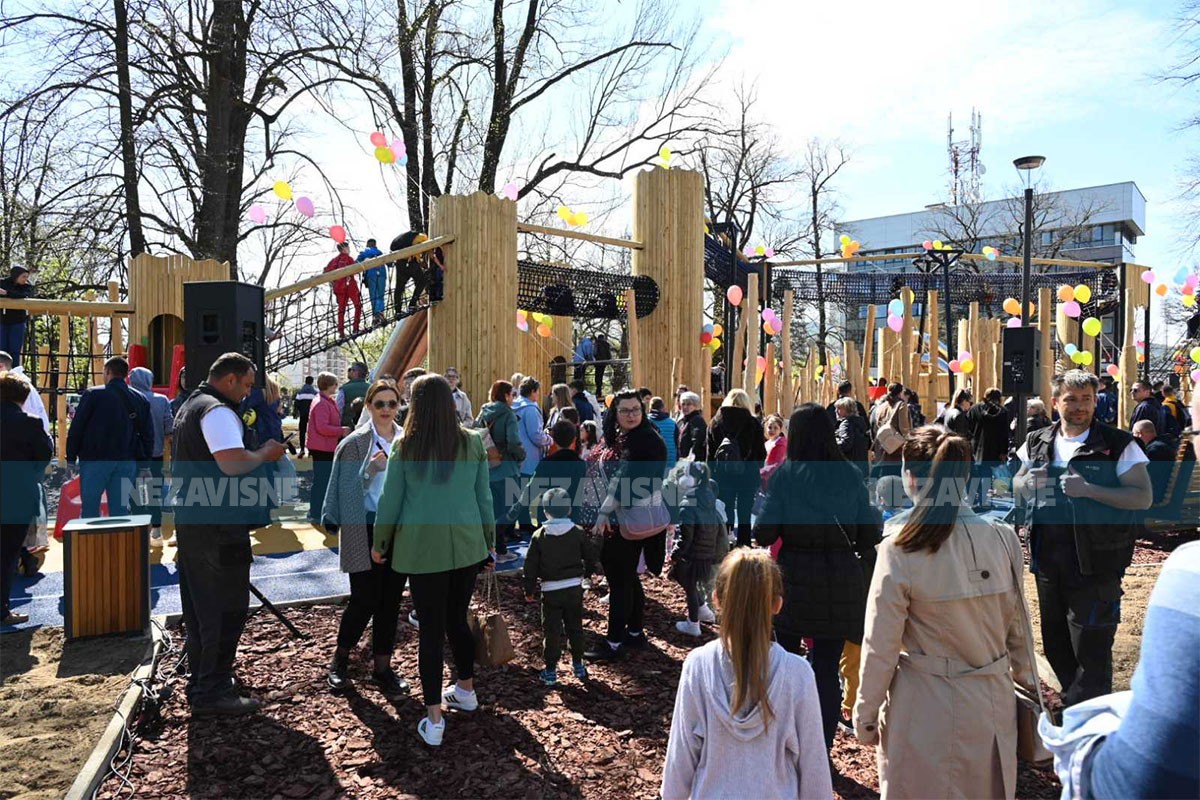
(1026, 165)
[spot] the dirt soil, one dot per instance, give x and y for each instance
(605, 739)
(56, 699)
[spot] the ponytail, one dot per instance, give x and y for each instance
(747, 586)
(941, 463)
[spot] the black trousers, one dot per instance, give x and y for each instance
(599, 370)
(562, 608)
(302, 408)
(12, 537)
(322, 463)
(737, 493)
(627, 600)
(501, 490)
(214, 586)
(375, 594)
(1079, 619)
(411, 270)
(824, 656)
(156, 491)
(441, 600)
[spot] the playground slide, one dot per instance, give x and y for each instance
(406, 347)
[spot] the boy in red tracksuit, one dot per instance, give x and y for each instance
(345, 289)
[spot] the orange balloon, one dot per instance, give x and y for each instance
(1161, 290)
(543, 330)
(1066, 293)
(1012, 306)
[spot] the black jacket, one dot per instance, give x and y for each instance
(15, 291)
(989, 425)
(562, 469)
(854, 441)
(584, 407)
(102, 429)
(832, 410)
(24, 453)
(691, 437)
(1162, 463)
(829, 530)
(739, 425)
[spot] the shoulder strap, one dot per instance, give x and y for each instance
(125, 401)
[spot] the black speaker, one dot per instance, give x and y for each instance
(223, 317)
(1022, 360)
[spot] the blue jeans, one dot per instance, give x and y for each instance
(114, 477)
(12, 339)
(376, 281)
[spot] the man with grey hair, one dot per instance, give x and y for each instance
(691, 431)
(1161, 455)
(851, 433)
(1083, 481)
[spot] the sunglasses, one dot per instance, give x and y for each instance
(380, 405)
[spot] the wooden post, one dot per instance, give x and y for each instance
(753, 330)
(1045, 378)
(471, 329)
(961, 379)
(785, 390)
(668, 220)
(43, 375)
(739, 343)
(1062, 332)
(907, 337)
(972, 343)
(1089, 346)
(116, 337)
(1128, 363)
(770, 404)
(931, 347)
(60, 384)
(637, 369)
(868, 344)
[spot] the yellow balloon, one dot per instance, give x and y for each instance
(1083, 293)
(1189, 300)
(548, 321)
(664, 153)
(1091, 325)
(715, 344)
(718, 329)
(967, 366)
(283, 190)
(384, 155)
(564, 213)
(937, 244)
(1085, 357)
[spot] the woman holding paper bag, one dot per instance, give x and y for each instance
(436, 515)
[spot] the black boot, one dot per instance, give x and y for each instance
(338, 677)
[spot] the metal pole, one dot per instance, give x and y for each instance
(1146, 337)
(950, 354)
(1026, 288)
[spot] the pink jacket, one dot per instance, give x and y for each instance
(324, 425)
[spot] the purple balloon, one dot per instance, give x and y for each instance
(1014, 322)
(305, 206)
(1072, 309)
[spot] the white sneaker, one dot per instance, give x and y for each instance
(706, 614)
(156, 539)
(688, 627)
(504, 558)
(455, 697)
(604, 600)
(430, 732)
(412, 620)
(171, 541)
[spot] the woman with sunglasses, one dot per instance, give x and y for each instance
(355, 485)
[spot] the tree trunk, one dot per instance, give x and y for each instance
(417, 209)
(133, 211)
(821, 322)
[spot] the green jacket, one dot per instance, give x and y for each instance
(351, 391)
(498, 417)
(436, 527)
(556, 554)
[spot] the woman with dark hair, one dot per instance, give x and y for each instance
(24, 453)
(436, 507)
(945, 637)
(818, 505)
(355, 486)
(560, 399)
(498, 419)
(641, 455)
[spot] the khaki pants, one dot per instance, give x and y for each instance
(848, 667)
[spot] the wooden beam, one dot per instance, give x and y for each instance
(749, 382)
(785, 387)
(74, 308)
(527, 227)
(354, 269)
(116, 337)
(1048, 262)
(631, 332)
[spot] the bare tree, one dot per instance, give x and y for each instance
(822, 161)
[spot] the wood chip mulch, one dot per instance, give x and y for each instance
(603, 740)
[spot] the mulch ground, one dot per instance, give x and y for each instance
(605, 739)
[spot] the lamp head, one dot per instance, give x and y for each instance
(1029, 162)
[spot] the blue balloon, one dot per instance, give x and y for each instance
(1070, 348)
(708, 328)
(896, 308)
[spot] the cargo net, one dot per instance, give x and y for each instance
(321, 318)
(582, 293)
(966, 286)
(724, 268)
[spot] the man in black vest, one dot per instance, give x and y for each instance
(217, 489)
(1084, 481)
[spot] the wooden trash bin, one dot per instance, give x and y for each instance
(106, 575)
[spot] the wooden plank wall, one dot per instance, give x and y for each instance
(475, 327)
(156, 287)
(535, 353)
(668, 219)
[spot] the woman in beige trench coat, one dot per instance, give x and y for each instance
(944, 638)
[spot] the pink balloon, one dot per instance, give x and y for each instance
(305, 206)
(257, 214)
(955, 366)
(895, 323)
(1196, 376)
(1072, 309)
(1014, 322)
(1113, 370)
(964, 355)
(1148, 276)
(734, 295)
(770, 252)
(768, 314)
(338, 234)
(927, 244)
(378, 139)
(762, 362)
(510, 191)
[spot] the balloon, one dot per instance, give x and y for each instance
(664, 153)
(1189, 300)
(768, 313)
(928, 245)
(895, 323)
(1113, 370)
(1077, 356)
(1091, 326)
(760, 251)
(578, 218)
(769, 252)
(706, 337)
(523, 325)
(543, 331)
(305, 206)
(510, 192)
(717, 330)
(955, 366)
(1161, 290)
(1195, 354)
(548, 320)
(761, 362)
(1014, 322)
(1066, 293)
(990, 255)
(1148, 276)
(768, 328)
(564, 213)
(1070, 349)
(1072, 309)
(843, 240)
(734, 295)
(283, 190)
(378, 139)
(1141, 358)
(896, 308)
(715, 344)
(964, 355)
(906, 294)
(1083, 293)
(967, 366)
(1085, 358)
(1196, 376)
(384, 155)
(1012, 306)
(257, 214)
(398, 150)
(608, 399)
(338, 234)
(1032, 309)
(707, 327)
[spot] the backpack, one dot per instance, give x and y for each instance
(888, 438)
(729, 454)
(1168, 425)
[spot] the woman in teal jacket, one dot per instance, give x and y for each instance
(499, 420)
(436, 508)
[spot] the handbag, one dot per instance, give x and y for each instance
(644, 518)
(493, 646)
(1030, 747)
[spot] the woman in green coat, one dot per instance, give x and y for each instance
(436, 512)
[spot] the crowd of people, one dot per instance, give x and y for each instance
(845, 553)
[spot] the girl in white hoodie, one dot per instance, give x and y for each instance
(747, 722)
